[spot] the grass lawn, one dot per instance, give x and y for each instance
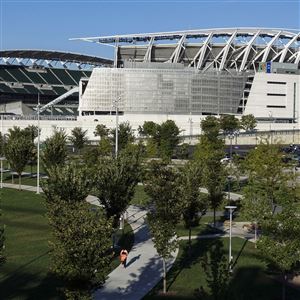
(249, 280)
(24, 275)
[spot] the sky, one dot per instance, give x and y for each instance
(41, 24)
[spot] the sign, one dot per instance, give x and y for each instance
(268, 67)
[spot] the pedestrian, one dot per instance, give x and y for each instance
(123, 257)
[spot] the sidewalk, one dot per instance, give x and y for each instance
(144, 266)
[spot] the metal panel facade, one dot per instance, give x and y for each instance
(162, 91)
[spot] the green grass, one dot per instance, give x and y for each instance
(140, 196)
(249, 280)
(199, 229)
(25, 272)
(25, 275)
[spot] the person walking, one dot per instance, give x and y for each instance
(123, 257)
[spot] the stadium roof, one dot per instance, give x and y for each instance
(50, 58)
(220, 49)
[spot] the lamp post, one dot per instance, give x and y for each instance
(1, 160)
(271, 136)
(116, 105)
(38, 148)
(231, 209)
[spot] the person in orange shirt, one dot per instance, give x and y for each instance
(123, 257)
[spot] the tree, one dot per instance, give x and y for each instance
(167, 138)
(81, 243)
(149, 129)
(248, 122)
(55, 150)
(101, 130)
(125, 135)
(78, 138)
(2, 238)
(209, 153)
(194, 202)
(215, 266)
(18, 150)
(229, 123)
(280, 242)
(162, 184)
(115, 181)
(31, 131)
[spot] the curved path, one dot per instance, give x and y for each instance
(144, 266)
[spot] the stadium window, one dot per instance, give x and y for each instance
(276, 82)
(273, 94)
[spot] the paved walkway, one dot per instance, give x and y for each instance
(144, 266)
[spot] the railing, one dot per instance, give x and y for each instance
(35, 117)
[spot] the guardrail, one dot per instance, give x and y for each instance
(34, 117)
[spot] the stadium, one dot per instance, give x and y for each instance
(182, 75)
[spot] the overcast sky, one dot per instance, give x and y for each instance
(49, 24)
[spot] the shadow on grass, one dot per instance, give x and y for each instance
(25, 286)
(239, 254)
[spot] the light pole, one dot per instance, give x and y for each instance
(116, 105)
(270, 117)
(231, 209)
(1, 160)
(38, 148)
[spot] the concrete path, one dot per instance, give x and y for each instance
(144, 266)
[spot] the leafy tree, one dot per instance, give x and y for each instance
(78, 138)
(209, 153)
(115, 181)
(101, 130)
(18, 151)
(266, 174)
(162, 184)
(215, 266)
(229, 123)
(31, 131)
(182, 151)
(167, 138)
(148, 129)
(15, 132)
(194, 202)
(2, 144)
(248, 122)
(125, 135)
(55, 150)
(80, 247)
(2, 237)
(280, 242)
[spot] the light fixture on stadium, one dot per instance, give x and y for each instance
(14, 85)
(43, 87)
(36, 69)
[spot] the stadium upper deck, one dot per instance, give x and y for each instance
(241, 49)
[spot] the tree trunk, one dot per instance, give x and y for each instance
(19, 182)
(12, 178)
(283, 285)
(214, 217)
(164, 276)
(190, 241)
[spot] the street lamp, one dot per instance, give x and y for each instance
(231, 209)
(271, 118)
(38, 148)
(116, 105)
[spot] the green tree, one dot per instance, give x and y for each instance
(115, 181)
(215, 266)
(78, 138)
(101, 130)
(125, 135)
(280, 242)
(2, 144)
(149, 129)
(194, 202)
(18, 150)
(31, 131)
(209, 153)
(55, 150)
(248, 122)
(167, 138)
(2, 237)
(229, 123)
(81, 243)
(162, 184)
